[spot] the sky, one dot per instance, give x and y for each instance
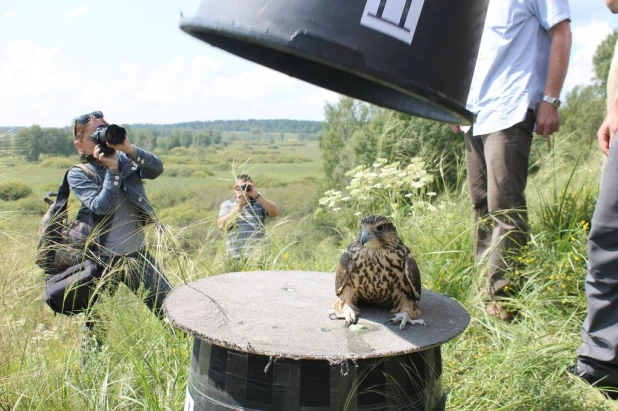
(129, 59)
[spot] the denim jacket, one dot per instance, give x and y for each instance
(100, 196)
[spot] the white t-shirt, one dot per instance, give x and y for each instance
(511, 69)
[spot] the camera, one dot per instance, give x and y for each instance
(112, 134)
(245, 187)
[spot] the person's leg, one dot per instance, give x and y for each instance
(477, 186)
(143, 271)
(507, 153)
(599, 354)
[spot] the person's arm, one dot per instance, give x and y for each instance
(227, 214)
(99, 200)
(150, 166)
(270, 207)
(612, 5)
(609, 127)
(547, 118)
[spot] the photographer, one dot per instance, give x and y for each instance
(114, 192)
(243, 217)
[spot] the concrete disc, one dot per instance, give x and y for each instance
(285, 314)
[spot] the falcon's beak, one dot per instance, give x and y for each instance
(365, 237)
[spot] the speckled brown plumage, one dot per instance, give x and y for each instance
(377, 268)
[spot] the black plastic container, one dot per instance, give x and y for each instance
(221, 379)
(415, 56)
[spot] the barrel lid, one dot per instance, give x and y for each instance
(285, 314)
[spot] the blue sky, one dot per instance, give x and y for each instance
(129, 59)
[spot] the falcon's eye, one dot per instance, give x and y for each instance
(379, 228)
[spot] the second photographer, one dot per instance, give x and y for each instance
(243, 217)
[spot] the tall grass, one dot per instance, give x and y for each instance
(144, 362)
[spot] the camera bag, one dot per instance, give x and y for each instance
(65, 251)
(61, 244)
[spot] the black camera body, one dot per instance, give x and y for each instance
(112, 134)
(245, 187)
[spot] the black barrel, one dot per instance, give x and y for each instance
(223, 379)
(415, 56)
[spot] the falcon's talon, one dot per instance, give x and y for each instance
(349, 315)
(332, 314)
(405, 319)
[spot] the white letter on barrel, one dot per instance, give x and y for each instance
(396, 18)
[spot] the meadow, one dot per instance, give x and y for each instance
(144, 362)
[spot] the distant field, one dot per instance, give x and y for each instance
(201, 181)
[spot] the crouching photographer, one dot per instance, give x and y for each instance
(113, 191)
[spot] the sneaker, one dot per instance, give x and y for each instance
(610, 391)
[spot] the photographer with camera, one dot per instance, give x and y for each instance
(243, 217)
(113, 191)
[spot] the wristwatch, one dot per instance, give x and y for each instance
(554, 101)
(257, 196)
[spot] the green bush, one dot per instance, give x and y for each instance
(12, 190)
(32, 204)
(57, 162)
(186, 170)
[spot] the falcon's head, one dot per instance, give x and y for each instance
(377, 232)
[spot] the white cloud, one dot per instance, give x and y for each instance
(163, 83)
(198, 73)
(9, 14)
(79, 11)
(586, 38)
(28, 69)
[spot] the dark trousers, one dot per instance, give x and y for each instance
(136, 270)
(599, 354)
(497, 171)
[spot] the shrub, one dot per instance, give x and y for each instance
(199, 174)
(388, 189)
(186, 170)
(57, 162)
(32, 204)
(13, 190)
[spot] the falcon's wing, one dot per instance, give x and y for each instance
(412, 274)
(346, 265)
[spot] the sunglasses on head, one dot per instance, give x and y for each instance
(85, 119)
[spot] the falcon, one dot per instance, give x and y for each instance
(378, 268)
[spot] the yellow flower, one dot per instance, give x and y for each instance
(551, 277)
(286, 255)
(563, 285)
(548, 288)
(576, 258)
(506, 288)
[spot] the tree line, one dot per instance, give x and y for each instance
(355, 133)
(35, 142)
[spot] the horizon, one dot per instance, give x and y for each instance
(179, 123)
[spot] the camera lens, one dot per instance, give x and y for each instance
(115, 134)
(245, 187)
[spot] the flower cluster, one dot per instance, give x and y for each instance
(388, 189)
